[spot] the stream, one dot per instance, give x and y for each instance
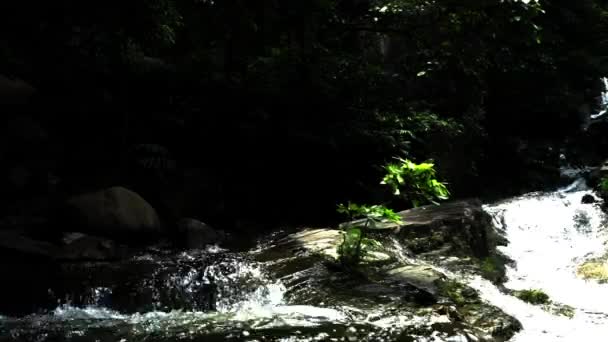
(550, 235)
(256, 295)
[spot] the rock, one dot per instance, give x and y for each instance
(196, 234)
(321, 241)
(597, 173)
(149, 282)
(73, 247)
(376, 257)
(459, 228)
(588, 199)
(78, 246)
(419, 276)
(603, 170)
(490, 323)
(114, 212)
(16, 244)
(597, 270)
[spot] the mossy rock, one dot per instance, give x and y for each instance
(538, 297)
(457, 292)
(593, 270)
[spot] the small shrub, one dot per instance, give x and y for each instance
(533, 296)
(415, 182)
(355, 244)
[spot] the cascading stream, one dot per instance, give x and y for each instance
(550, 235)
(293, 297)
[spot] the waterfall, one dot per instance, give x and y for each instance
(603, 101)
(603, 104)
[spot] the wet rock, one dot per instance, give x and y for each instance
(588, 199)
(16, 244)
(148, 282)
(320, 241)
(490, 323)
(114, 212)
(457, 235)
(196, 234)
(597, 173)
(462, 227)
(419, 276)
(597, 270)
(376, 256)
(73, 246)
(78, 246)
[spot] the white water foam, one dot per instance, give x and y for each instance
(550, 235)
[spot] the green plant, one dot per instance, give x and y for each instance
(354, 244)
(533, 296)
(452, 290)
(492, 268)
(372, 214)
(604, 185)
(563, 310)
(415, 182)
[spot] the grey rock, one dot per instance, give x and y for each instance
(419, 276)
(78, 246)
(196, 234)
(455, 228)
(114, 212)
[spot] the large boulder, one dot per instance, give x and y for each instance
(305, 262)
(456, 228)
(195, 234)
(114, 212)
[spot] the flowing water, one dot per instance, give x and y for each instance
(551, 234)
(252, 296)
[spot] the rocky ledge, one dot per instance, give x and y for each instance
(456, 235)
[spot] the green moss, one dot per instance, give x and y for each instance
(425, 244)
(562, 310)
(457, 292)
(533, 296)
(597, 270)
(538, 297)
(490, 269)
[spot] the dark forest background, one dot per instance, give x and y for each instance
(274, 111)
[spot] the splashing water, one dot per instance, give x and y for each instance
(550, 235)
(603, 101)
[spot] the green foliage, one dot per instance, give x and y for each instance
(562, 310)
(457, 292)
(491, 268)
(372, 214)
(355, 245)
(538, 297)
(349, 251)
(340, 82)
(415, 182)
(533, 296)
(604, 185)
